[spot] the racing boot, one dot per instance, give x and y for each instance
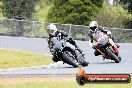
(79, 50)
(118, 46)
(115, 48)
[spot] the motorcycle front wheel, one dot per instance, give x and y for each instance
(69, 58)
(112, 55)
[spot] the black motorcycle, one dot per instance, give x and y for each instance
(63, 50)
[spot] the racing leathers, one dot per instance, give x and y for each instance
(99, 30)
(61, 34)
(102, 30)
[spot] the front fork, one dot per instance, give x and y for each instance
(113, 46)
(79, 56)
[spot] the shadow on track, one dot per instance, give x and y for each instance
(105, 63)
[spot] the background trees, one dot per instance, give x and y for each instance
(128, 6)
(18, 8)
(74, 11)
(128, 3)
(114, 16)
(79, 12)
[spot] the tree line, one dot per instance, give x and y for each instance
(79, 12)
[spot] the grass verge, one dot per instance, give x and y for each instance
(53, 82)
(15, 59)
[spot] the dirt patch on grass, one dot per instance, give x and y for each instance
(22, 80)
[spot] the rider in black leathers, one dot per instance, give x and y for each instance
(53, 32)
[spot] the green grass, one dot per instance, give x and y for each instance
(63, 84)
(80, 35)
(15, 59)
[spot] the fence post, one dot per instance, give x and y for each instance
(33, 28)
(86, 33)
(19, 28)
(70, 29)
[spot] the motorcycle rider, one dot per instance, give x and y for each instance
(94, 28)
(53, 32)
(94, 25)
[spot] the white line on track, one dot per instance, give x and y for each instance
(54, 65)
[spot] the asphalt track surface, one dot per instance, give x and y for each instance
(39, 45)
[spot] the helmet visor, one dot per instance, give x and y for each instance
(93, 28)
(50, 31)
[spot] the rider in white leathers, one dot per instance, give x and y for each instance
(95, 31)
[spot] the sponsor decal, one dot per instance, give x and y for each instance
(83, 78)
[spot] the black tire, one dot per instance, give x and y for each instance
(81, 59)
(70, 59)
(55, 59)
(112, 55)
(81, 80)
(119, 57)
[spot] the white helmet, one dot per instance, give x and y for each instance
(109, 33)
(51, 28)
(93, 25)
